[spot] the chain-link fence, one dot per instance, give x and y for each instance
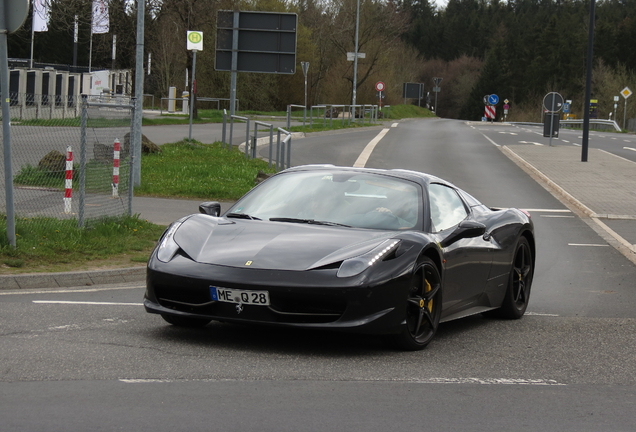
(72, 167)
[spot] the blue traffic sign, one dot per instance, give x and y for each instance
(566, 107)
(493, 99)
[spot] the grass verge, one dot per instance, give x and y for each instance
(49, 245)
(194, 170)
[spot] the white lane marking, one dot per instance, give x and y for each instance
(530, 142)
(85, 303)
(627, 141)
(65, 291)
(556, 216)
(588, 244)
(491, 141)
(540, 314)
(629, 148)
(366, 153)
(565, 141)
(549, 210)
(481, 381)
(395, 125)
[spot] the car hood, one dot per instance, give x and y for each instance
(271, 245)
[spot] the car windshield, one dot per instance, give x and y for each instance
(362, 200)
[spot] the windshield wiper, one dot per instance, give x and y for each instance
(241, 216)
(307, 221)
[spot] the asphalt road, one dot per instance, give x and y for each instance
(92, 359)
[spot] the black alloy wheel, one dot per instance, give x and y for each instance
(519, 283)
(424, 307)
(181, 321)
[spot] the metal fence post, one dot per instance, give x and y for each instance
(278, 151)
(131, 165)
(231, 129)
(224, 127)
(247, 137)
(289, 152)
(82, 172)
(271, 139)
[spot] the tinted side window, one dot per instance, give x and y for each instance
(447, 209)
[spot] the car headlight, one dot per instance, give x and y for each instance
(355, 266)
(168, 247)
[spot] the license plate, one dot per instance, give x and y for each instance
(259, 298)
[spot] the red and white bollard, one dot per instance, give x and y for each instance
(68, 184)
(116, 150)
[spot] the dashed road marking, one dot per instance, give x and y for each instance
(85, 303)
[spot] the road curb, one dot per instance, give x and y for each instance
(72, 279)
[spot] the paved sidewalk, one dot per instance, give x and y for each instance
(602, 191)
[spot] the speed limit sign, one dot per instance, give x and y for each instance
(379, 86)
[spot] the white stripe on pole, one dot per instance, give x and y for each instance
(68, 183)
(117, 147)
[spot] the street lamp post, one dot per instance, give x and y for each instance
(355, 59)
(305, 66)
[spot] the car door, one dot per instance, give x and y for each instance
(467, 261)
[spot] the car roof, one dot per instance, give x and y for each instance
(416, 176)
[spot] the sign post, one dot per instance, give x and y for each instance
(194, 43)
(305, 66)
(626, 92)
(14, 12)
(436, 89)
(553, 103)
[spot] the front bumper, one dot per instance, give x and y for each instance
(311, 299)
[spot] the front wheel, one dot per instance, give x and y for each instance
(423, 307)
(181, 321)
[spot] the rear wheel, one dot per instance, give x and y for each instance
(519, 283)
(423, 308)
(181, 321)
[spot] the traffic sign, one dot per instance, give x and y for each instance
(566, 108)
(626, 92)
(490, 111)
(493, 99)
(15, 13)
(379, 86)
(553, 102)
(195, 41)
(437, 80)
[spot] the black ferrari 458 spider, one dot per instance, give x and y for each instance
(377, 251)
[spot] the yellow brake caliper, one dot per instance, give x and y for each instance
(428, 288)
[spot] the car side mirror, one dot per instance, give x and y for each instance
(212, 208)
(465, 229)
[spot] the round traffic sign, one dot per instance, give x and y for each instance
(16, 12)
(493, 99)
(553, 102)
(379, 86)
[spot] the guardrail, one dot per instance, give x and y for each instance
(345, 112)
(283, 148)
(610, 123)
(186, 100)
